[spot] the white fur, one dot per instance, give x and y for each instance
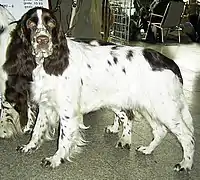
(5, 19)
(9, 122)
(39, 15)
(158, 95)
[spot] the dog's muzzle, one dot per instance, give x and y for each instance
(42, 43)
(42, 39)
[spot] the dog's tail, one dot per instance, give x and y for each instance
(6, 18)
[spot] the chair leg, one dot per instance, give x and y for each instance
(149, 24)
(179, 37)
(167, 32)
(162, 35)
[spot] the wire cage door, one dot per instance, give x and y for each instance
(122, 10)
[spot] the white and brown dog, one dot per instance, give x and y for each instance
(71, 78)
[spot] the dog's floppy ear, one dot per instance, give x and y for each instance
(58, 61)
(19, 58)
(19, 65)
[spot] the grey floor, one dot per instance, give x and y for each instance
(100, 160)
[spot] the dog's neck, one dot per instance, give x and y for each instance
(39, 60)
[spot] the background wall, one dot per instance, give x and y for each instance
(88, 18)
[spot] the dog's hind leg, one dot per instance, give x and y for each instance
(186, 139)
(178, 120)
(184, 131)
(114, 128)
(187, 142)
(126, 117)
(159, 132)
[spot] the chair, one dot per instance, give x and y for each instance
(170, 20)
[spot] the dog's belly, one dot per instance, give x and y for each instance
(96, 100)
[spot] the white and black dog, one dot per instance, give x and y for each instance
(72, 78)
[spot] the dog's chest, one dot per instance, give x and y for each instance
(43, 86)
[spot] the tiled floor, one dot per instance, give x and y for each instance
(100, 160)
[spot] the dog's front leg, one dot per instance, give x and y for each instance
(70, 138)
(32, 115)
(38, 131)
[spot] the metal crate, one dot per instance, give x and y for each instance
(122, 10)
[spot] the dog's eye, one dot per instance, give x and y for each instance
(31, 24)
(51, 23)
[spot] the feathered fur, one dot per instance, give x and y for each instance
(60, 51)
(73, 78)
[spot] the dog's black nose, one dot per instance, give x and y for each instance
(42, 39)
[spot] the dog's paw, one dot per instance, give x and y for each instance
(29, 148)
(51, 162)
(183, 166)
(144, 149)
(111, 129)
(124, 142)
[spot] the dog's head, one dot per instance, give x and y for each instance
(38, 38)
(40, 28)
